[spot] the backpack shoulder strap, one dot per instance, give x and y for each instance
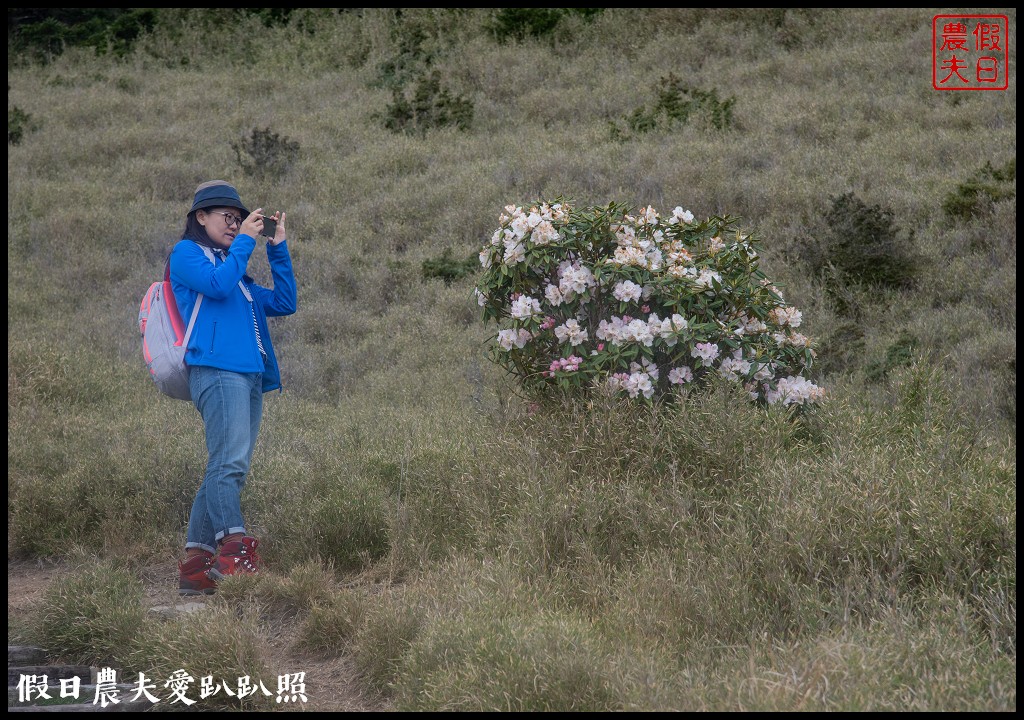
(199, 300)
(209, 254)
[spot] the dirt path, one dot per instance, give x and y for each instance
(331, 683)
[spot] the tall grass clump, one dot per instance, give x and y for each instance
(219, 642)
(92, 615)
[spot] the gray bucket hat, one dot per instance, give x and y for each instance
(217, 193)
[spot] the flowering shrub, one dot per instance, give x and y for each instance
(638, 304)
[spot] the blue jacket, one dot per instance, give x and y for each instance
(223, 336)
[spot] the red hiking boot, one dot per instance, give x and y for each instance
(193, 577)
(236, 557)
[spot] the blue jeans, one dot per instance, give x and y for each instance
(231, 405)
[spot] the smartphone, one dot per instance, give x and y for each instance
(269, 226)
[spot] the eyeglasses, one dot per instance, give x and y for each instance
(229, 218)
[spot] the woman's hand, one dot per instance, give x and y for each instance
(252, 225)
(279, 234)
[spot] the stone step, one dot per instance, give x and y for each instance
(25, 655)
(137, 706)
(85, 693)
(169, 612)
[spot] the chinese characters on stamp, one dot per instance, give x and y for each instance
(970, 52)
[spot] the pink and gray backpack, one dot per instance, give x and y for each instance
(165, 336)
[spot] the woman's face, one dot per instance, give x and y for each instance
(221, 223)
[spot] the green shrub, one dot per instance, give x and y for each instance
(899, 354)
(431, 106)
(19, 122)
(864, 243)
(282, 596)
(44, 33)
(266, 154)
(976, 196)
(448, 268)
(411, 55)
(269, 16)
(520, 23)
(674, 106)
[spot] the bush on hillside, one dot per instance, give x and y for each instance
(675, 105)
(520, 23)
(601, 298)
(431, 106)
(19, 122)
(986, 187)
(266, 154)
(862, 243)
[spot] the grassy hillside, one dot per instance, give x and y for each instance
(463, 550)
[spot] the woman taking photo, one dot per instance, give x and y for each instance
(231, 364)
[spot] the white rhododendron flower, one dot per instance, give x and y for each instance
(553, 295)
(628, 256)
(765, 371)
(733, 368)
(525, 307)
(544, 234)
(485, 258)
(515, 252)
(520, 227)
(680, 375)
(481, 299)
(627, 291)
(705, 278)
(667, 329)
(645, 366)
(575, 278)
(680, 215)
(787, 316)
(752, 325)
(572, 332)
(610, 330)
(705, 351)
(638, 331)
(794, 391)
(517, 337)
(638, 383)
